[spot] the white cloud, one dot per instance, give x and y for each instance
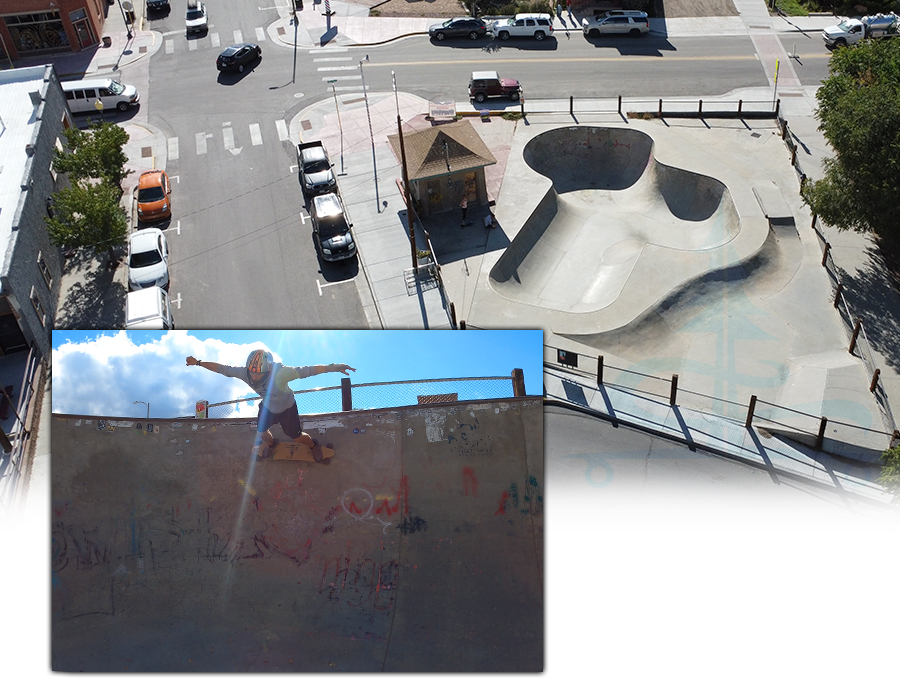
(104, 376)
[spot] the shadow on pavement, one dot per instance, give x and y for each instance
(96, 300)
(452, 242)
(651, 46)
(548, 44)
(340, 270)
(872, 296)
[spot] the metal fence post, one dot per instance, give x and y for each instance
(600, 370)
(700, 107)
(518, 381)
(856, 329)
(659, 113)
(620, 104)
(750, 411)
(346, 395)
(453, 315)
(572, 106)
(740, 106)
(820, 439)
(462, 325)
(673, 391)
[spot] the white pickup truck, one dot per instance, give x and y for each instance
(851, 31)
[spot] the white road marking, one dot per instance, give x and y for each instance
(347, 89)
(170, 46)
(238, 36)
(177, 301)
(175, 178)
(330, 60)
(192, 45)
(228, 136)
(200, 139)
(282, 129)
(347, 77)
(255, 134)
(320, 51)
(215, 39)
(335, 69)
(294, 168)
(178, 227)
(260, 34)
(173, 148)
(330, 284)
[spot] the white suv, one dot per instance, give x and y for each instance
(537, 26)
(632, 23)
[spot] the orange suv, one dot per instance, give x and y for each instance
(153, 196)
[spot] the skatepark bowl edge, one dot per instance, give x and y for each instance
(417, 548)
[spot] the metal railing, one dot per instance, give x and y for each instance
(808, 428)
(12, 462)
(368, 396)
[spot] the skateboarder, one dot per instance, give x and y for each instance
(270, 380)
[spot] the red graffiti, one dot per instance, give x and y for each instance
(470, 481)
(60, 511)
(353, 508)
(386, 507)
(278, 490)
(503, 500)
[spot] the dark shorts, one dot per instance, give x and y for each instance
(289, 420)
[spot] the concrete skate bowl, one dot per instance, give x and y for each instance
(609, 205)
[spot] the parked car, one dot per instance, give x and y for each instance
(196, 19)
(633, 24)
(148, 309)
(851, 31)
(486, 84)
(83, 95)
(158, 5)
(153, 196)
(148, 264)
(238, 56)
(458, 26)
(537, 26)
(316, 174)
(331, 228)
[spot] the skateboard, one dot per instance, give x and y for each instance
(291, 450)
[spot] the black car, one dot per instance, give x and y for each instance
(331, 228)
(458, 26)
(157, 5)
(237, 56)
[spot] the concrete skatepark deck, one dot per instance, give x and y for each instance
(419, 548)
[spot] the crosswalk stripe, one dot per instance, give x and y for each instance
(200, 139)
(260, 34)
(320, 51)
(255, 134)
(330, 60)
(347, 89)
(238, 36)
(170, 46)
(337, 68)
(282, 128)
(339, 77)
(215, 39)
(173, 148)
(228, 136)
(192, 45)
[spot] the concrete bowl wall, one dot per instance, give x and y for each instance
(608, 200)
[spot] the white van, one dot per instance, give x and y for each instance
(82, 95)
(148, 309)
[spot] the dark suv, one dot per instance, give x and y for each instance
(316, 174)
(331, 228)
(485, 84)
(458, 26)
(157, 5)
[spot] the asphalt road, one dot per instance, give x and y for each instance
(240, 240)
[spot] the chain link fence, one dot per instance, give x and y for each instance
(370, 396)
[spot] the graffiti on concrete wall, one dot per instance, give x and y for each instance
(531, 501)
(359, 581)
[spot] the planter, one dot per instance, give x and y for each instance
(107, 42)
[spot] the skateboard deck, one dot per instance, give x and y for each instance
(291, 450)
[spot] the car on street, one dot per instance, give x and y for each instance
(196, 20)
(158, 5)
(632, 24)
(536, 26)
(316, 174)
(148, 259)
(331, 229)
(238, 56)
(483, 85)
(153, 196)
(472, 27)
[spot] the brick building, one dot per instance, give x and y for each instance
(40, 27)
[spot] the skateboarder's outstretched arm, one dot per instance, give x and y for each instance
(314, 370)
(211, 365)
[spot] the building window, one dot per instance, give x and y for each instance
(38, 306)
(45, 271)
(37, 32)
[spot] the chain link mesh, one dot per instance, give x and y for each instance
(369, 396)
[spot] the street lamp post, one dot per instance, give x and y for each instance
(340, 127)
(141, 402)
(371, 134)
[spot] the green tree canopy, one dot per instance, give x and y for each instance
(88, 214)
(859, 113)
(94, 154)
(890, 472)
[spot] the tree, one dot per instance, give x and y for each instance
(94, 154)
(890, 472)
(88, 214)
(859, 113)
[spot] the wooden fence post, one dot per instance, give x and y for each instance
(346, 395)
(600, 370)
(750, 411)
(673, 391)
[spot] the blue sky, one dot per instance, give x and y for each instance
(104, 372)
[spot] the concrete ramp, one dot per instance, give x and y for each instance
(608, 201)
(418, 548)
